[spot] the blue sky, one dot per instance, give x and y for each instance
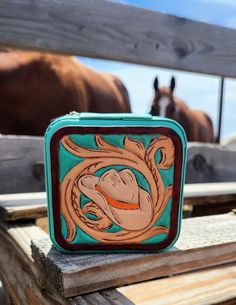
(199, 91)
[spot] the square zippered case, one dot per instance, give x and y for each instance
(114, 182)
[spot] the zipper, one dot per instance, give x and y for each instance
(110, 116)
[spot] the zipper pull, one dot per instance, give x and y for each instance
(73, 113)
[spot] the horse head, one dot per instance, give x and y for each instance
(163, 103)
(197, 124)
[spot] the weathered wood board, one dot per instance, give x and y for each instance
(209, 191)
(105, 297)
(204, 242)
(126, 33)
(23, 206)
(17, 270)
(23, 279)
(214, 286)
(201, 199)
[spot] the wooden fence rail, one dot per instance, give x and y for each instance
(204, 241)
(98, 28)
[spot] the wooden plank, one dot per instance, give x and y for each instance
(213, 286)
(212, 208)
(203, 199)
(204, 241)
(120, 32)
(211, 190)
(23, 206)
(21, 163)
(23, 279)
(106, 297)
(17, 270)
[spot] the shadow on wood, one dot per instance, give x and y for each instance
(21, 163)
(210, 163)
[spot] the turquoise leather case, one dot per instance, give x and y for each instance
(114, 182)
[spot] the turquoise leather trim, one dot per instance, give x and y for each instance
(94, 119)
(113, 116)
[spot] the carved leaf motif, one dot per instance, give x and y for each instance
(132, 155)
(103, 145)
(167, 149)
(135, 147)
(105, 149)
(103, 221)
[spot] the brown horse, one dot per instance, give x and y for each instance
(197, 124)
(35, 87)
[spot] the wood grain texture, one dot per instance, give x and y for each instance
(214, 286)
(105, 297)
(211, 208)
(42, 223)
(17, 271)
(211, 190)
(23, 206)
(20, 160)
(23, 278)
(205, 241)
(114, 31)
(203, 199)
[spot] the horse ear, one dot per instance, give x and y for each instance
(156, 84)
(172, 84)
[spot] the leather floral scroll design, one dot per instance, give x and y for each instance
(115, 197)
